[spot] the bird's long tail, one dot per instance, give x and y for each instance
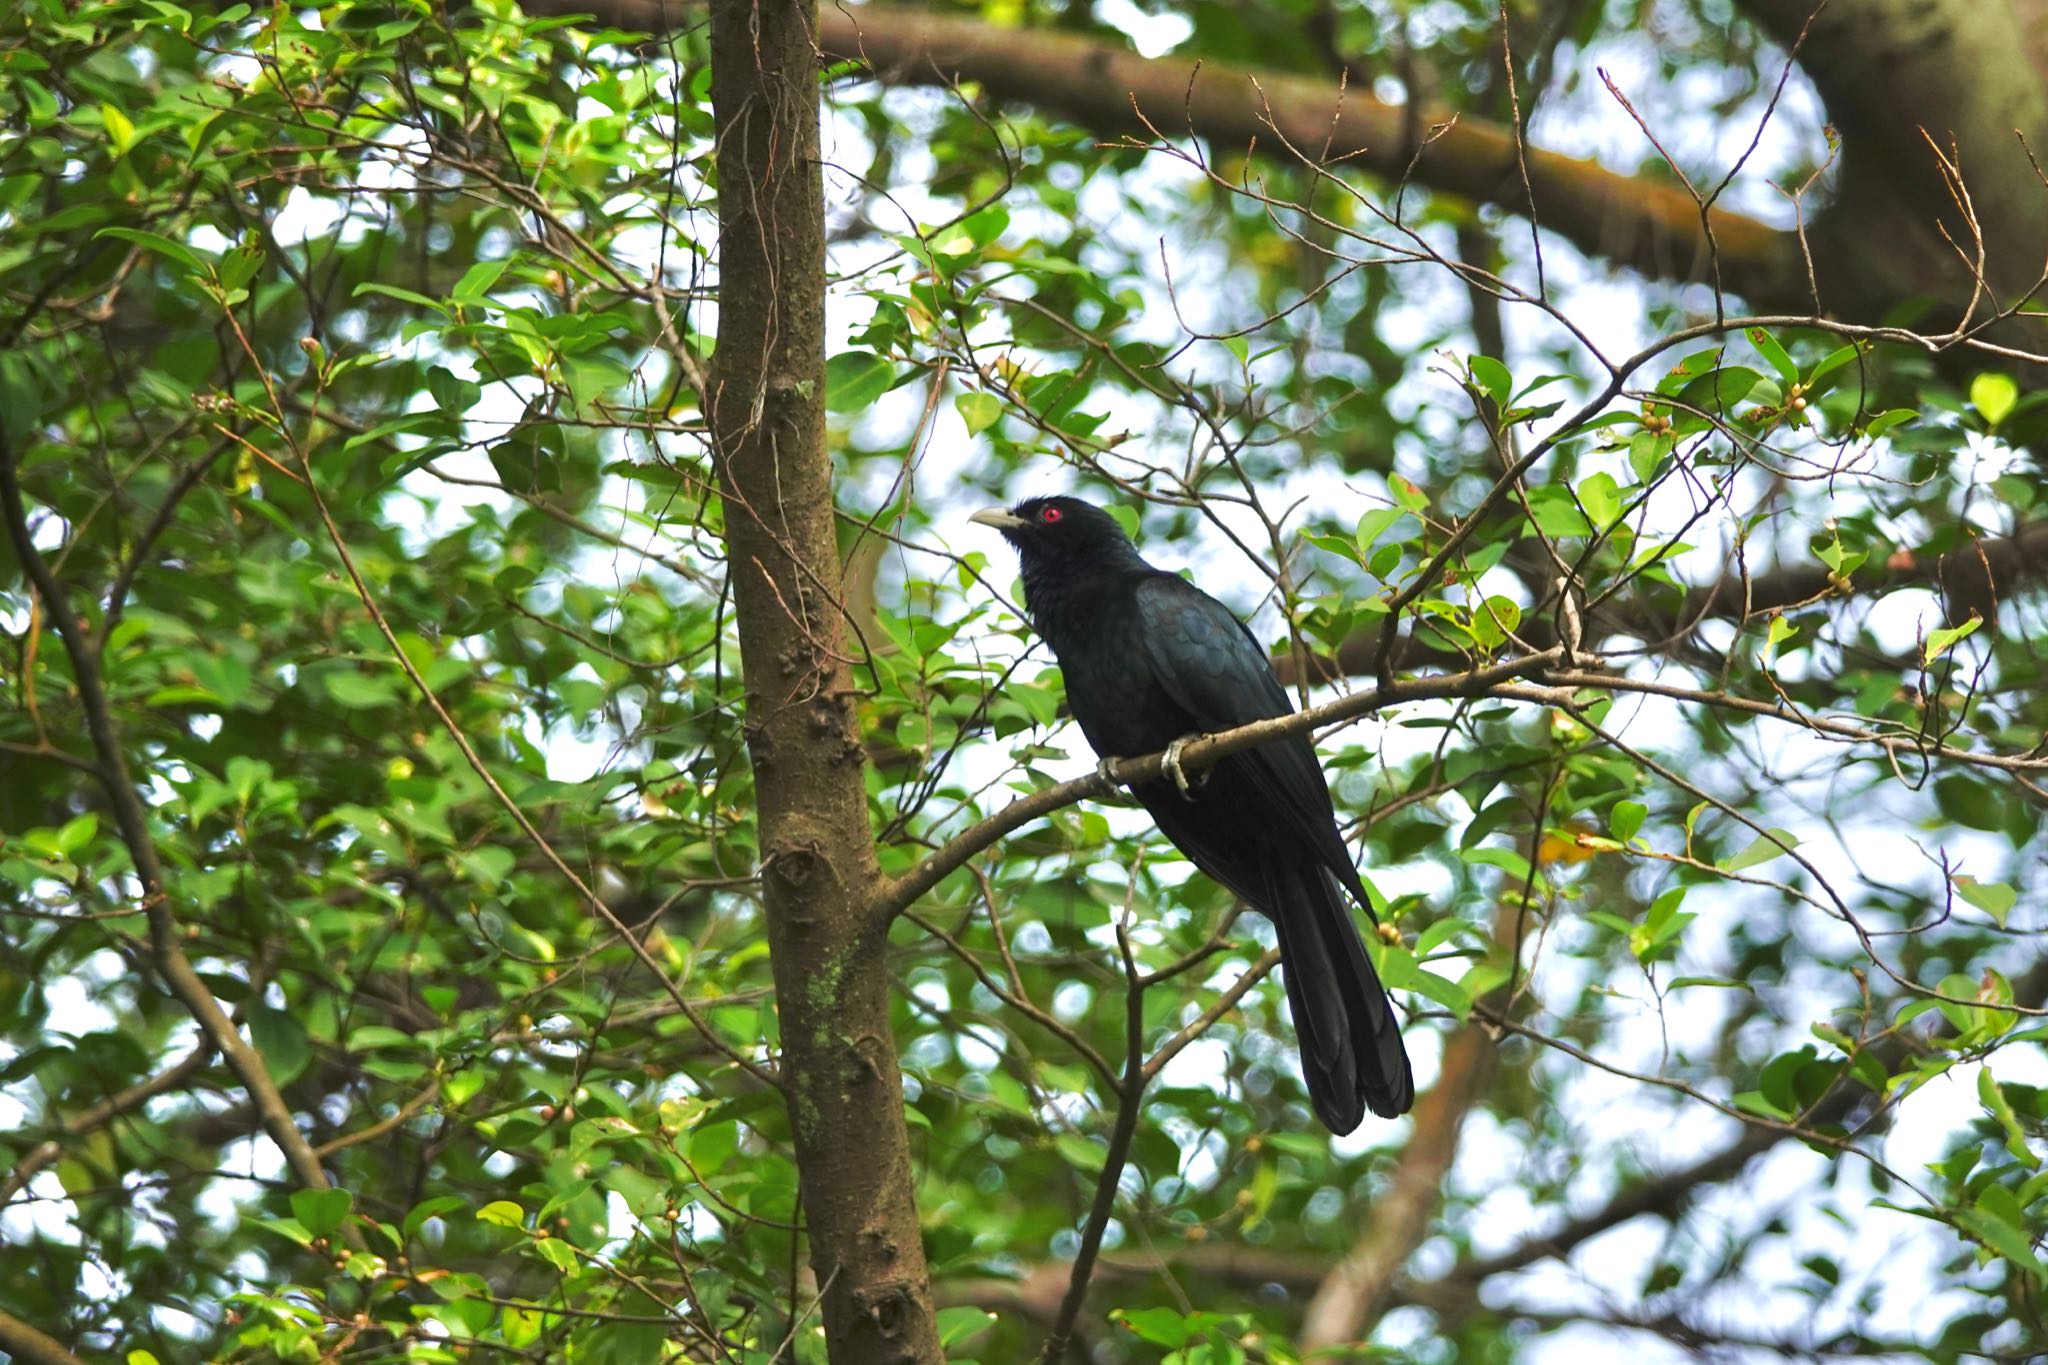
(1351, 1053)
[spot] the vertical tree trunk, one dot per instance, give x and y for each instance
(839, 1069)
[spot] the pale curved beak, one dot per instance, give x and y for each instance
(999, 518)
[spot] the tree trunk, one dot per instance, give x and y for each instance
(767, 406)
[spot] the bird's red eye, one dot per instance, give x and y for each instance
(1049, 515)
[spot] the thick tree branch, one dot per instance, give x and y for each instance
(1651, 226)
(1962, 71)
(30, 1346)
(1497, 680)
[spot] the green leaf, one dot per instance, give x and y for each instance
(402, 295)
(320, 1211)
(1646, 451)
(1492, 378)
(1841, 562)
(958, 1323)
(1885, 421)
(1411, 498)
(427, 1209)
(855, 379)
(1341, 546)
(1970, 802)
(1494, 620)
(1626, 819)
(1767, 346)
(21, 397)
(1940, 641)
(1373, 524)
(1506, 859)
(160, 244)
(1838, 358)
(239, 266)
(1555, 512)
(76, 833)
(1081, 1154)
(1995, 1103)
(1779, 631)
(284, 1227)
(476, 281)
(2002, 1237)
(503, 1212)
(1160, 1326)
(979, 411)
(453, 394)
(1993, 898)
(1445, 992)
(1993, 396)
(360, 691)
(1688, 369)
(1600, 495)
(1775, 844)
(558, 1253)
(1722, 389)
(280, 1038)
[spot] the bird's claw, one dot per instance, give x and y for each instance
(1106, 772)
(1169, 763)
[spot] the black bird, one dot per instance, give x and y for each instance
(1150, 660)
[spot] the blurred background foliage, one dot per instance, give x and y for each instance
(1738, 997)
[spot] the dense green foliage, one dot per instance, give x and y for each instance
(360, 332)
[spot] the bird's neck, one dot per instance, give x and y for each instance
(1066, 598)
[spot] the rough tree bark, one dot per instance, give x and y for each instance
(1651, 226)
(767, 397)
(1962, 71)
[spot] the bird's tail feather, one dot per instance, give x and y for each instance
(1351, 1053)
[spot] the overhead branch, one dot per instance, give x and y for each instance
(1649, 225)
(1972, 74)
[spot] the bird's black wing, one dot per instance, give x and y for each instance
(1205, 660)
(1261, 827)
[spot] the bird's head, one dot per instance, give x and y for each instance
(1063, 545)
(1059, 531)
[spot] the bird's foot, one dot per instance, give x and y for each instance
(1169, 762)
(1106, 773)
